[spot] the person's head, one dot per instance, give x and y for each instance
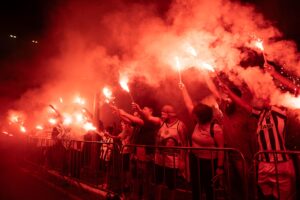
(124, 125)
(203, 113)
(168, 112)
(110, 129)
(147, 110)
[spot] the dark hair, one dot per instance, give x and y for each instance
(204, 113)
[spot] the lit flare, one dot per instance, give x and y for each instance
(124, 84)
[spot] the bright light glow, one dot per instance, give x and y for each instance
(79, 100)
(5, 132)
(124, 83)
(191, 50)
(34, 41)
(208, 67)
(12, 36)
(67, 120)
(293, 102)
(14, 118)
(61, 100)
(107, 93)
(88, 126)
(259, 44)
(39, 127)
(22, 129)
(79, 117)
(178, 66)
(52, 121)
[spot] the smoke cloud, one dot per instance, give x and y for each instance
(91, 43)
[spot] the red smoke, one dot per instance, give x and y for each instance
(91, 42)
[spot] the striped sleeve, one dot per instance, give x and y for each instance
(280, 112)
(256, 112)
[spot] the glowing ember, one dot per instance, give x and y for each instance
(88, 126)
(52, 121)
(22, 129)
(124, 84)
(79, 100)
(39, 127)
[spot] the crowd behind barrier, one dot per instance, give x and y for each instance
(106, 166)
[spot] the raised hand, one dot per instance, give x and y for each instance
(136, 107)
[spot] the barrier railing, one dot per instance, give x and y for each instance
(278, 178)
(92, 162)
(160, 168)
(151, 172)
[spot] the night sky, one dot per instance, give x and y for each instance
(29, 20)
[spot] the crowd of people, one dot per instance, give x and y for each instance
(214, 129)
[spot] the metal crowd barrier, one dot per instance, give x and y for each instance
(75, 159)
(143, 179)
(279, 177)
(133, 171)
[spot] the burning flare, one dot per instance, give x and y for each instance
(124, 84)
(88, 126)
(79, 100)
(39, 127)
(207, 67)
(22, 129)
(108, 94)
(178, 66)
(52, 121)
(259, 44)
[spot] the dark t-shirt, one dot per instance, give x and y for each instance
(145, 135)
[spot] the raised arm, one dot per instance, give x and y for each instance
(211, 85)
(132, 118)
(147, 115)
(186, 97)
(219, 139)
(237, 99)
(126, 116)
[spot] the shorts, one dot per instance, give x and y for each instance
(166, 175)
(267, 181)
